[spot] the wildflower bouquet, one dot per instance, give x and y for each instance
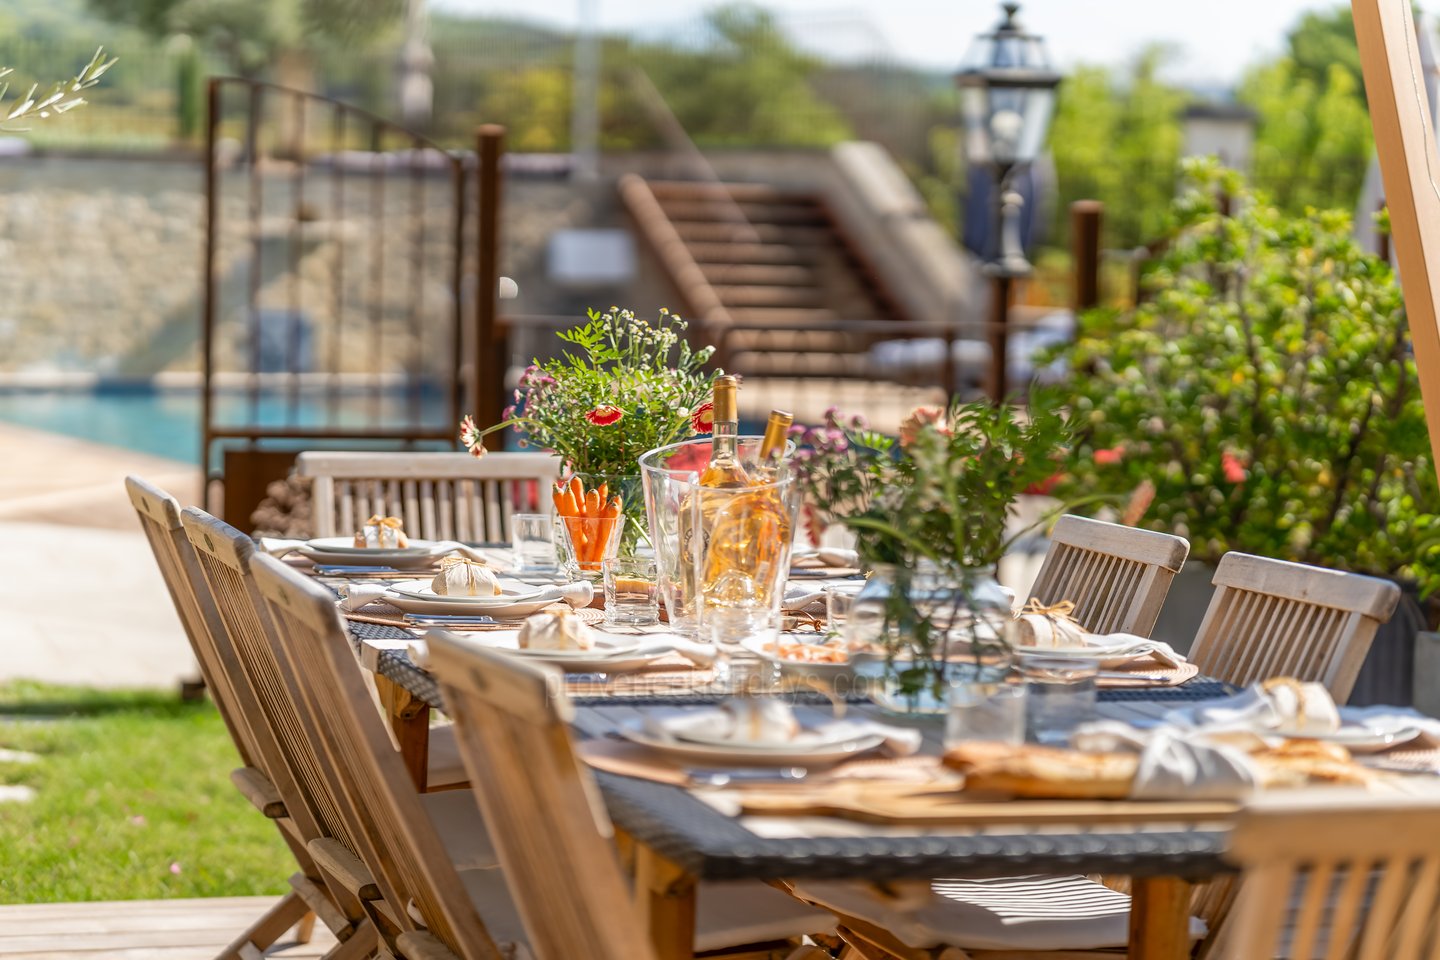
(622, 387)
(929, 512)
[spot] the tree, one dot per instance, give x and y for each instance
(253, 34)
(1118, 142)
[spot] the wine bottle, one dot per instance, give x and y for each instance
(724, 468)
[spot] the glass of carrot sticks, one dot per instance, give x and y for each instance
(591, 523)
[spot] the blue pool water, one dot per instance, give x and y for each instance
(167, 423)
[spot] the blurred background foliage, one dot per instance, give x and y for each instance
(735, 78)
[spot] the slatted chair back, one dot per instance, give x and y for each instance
(1272, 618)
(439, 496)
(541, 804)
(409, 861)
(301, 773)
(1356, 879)
(1116, 576)
(159, 515)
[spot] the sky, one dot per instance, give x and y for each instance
(1214, 40)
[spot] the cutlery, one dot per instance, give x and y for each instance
(333, 570)
(744, 775)
(442, 619)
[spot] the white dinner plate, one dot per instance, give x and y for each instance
(501, 608)
(827, 673)
(743, 754)
(513, 591)
(1368, 738)
(341, 551)
(621, 655)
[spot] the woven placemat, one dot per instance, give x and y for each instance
(385, 614)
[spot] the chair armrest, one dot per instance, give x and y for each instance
(336, 861)
(257, 788)
(423, 945)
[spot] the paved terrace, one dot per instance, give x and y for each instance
(83, 602)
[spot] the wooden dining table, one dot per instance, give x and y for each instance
(675, 836)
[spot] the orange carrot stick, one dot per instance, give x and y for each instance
(577, 492)
(592, 503)
(604, 491)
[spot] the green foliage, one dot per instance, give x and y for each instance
(1313, 139)
(62, 97)
(644, 370)
(252, 33)
(133, 801)
(1118, 141)
(1266, 390)
(943, 493)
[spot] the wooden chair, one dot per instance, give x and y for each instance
(404, 844)
(1117, 576)
(440, 496)
(1355, 878)
(550, 827)
(288, 735)
(159, 515)
(1271, 618)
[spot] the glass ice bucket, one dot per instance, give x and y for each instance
(722, 553)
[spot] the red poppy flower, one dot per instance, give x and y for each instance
(604, 415)
(703, 419)
(1106, 457)
(1043, 488)
(1232, 468)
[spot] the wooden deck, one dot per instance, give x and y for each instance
(139, 930)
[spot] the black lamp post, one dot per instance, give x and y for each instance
(1007, 96)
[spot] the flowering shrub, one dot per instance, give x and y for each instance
(630, 386)
(1264, 394)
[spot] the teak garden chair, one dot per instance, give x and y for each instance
(1355, 878)
(439, 496)
(1272, 618)
(550, 827)
(1116, 576)
(159, 515)
(427, 853)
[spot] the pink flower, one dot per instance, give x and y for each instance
(919, 419)
(1233, 468)
(604, 415)
(175, 867)
(702, 420)
(471, 437)
(1108, 456)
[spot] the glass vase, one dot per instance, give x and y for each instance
(933, 624)
(722, 554)
(634, 533)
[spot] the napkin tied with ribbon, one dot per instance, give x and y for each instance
(1053, 626)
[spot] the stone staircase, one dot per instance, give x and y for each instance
(768, 274)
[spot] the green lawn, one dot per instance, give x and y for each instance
(133, 801)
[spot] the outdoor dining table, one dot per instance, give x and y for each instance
(675, 838)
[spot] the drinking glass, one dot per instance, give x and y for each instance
(632, 595)
(533, 537)
(744, 673)
(980, 710)
(838, 603)
(1061, 697)
(589, 542)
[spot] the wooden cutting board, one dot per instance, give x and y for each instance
(898, 803)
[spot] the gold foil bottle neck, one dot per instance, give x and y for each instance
(777, 431)
(727, 407)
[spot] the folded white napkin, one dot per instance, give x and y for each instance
(1175, 763)
(825, 557)
(1391, 718)
(716, 724)
(277, 547)
(1278, 710)
(578, 594)
(700, 654)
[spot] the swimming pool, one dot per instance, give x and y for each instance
(166, 423)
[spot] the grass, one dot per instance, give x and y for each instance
(133, 801)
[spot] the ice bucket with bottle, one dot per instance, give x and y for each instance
(722, 553)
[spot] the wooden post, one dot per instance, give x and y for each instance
(999, 335)
(1159, 919)
(1405, 145)
(1085, 252)
(487, 391)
